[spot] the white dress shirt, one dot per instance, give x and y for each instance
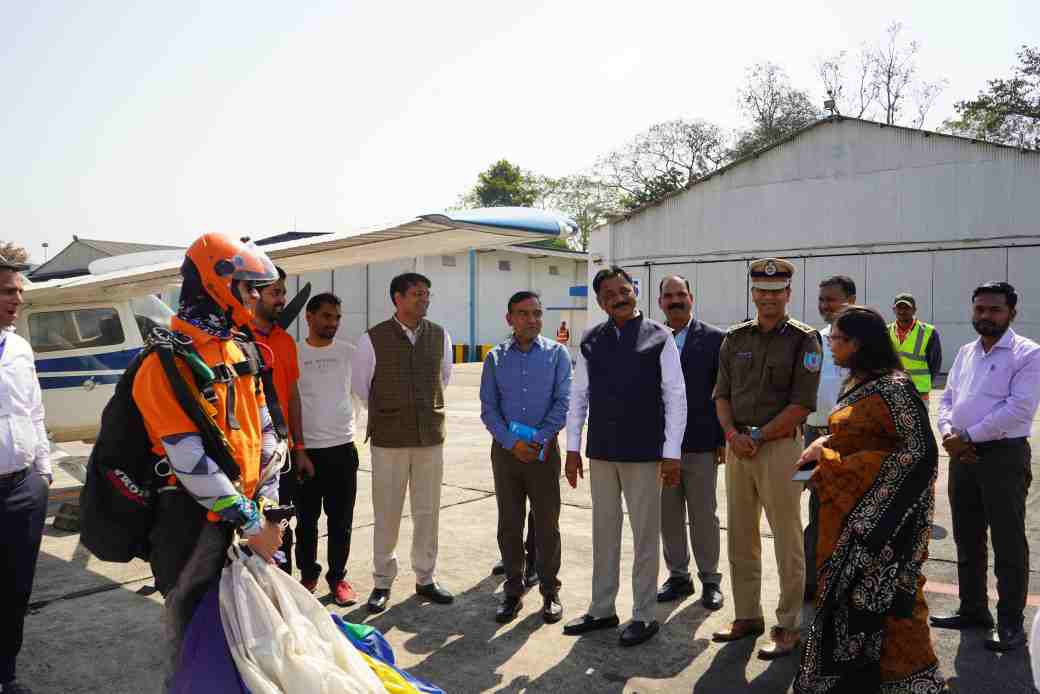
(23, 435)
(363, 363)
(992, 395)
(831, 378)
(673, 392)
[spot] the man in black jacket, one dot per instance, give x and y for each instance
(703, 448)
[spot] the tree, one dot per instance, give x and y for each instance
(882, 83)
(774, 107)
(14, 252)
(1009, 110)
(665, 157)
(584, 199)
(503, 185)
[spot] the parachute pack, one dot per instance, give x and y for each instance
(124, 475)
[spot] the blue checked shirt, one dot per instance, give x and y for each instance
(531, 387)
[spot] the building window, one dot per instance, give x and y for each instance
(505, 266)
(554, 270)
(54, 331)
(447, 261)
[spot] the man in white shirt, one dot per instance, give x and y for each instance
(327, 421)
(399, 372)
(836, 293)
(629, 380)
(985, 419)
(25, 475)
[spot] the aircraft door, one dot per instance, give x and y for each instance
(81, 351)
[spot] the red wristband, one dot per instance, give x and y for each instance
(730, 434)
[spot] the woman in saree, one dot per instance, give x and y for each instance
(875, 476)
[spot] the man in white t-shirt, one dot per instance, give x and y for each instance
(328, 438)
(836, 293)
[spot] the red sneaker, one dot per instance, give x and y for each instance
(343, 594)
(310, 584)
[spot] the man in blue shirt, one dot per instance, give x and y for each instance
(527, 381)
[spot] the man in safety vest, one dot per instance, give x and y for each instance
(917, 343)
(210, 494)
(563, 335)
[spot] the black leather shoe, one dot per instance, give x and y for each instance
(587, 623)
(498, 569)
(435, 593)
(638, 632)
(1002, 639)
(378, 599)
(552, 610)
(962, 620)
(712, 597)
(675, 589)
(509, 609)
(531, 577)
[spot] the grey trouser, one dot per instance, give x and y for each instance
(694, 497)
(640, 484)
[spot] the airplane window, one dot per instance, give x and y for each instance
(150, 312)
(53, 331)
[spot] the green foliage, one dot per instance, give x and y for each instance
(505, 185)
(1008, 111)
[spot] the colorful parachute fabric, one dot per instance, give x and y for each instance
(380, 657)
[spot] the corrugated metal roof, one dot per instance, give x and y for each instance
(70, 262)
(797, 133)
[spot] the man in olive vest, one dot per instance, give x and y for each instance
(399, 372)
(917, 343)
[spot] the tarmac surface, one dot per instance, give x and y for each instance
(95, 626)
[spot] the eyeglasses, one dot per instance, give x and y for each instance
(837, 338)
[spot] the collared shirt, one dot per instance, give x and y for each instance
(761, 372)
(23, 435)
(673, 392)
(363, 364)
(531, 388)
(992, 395)
(680, 335)
(831, 378)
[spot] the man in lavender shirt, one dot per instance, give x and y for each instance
(985, 418)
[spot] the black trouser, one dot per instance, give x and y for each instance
(515, 484)
(531, 543)
(334, 486)
(287, 485)
(992, 492)
(23, 508)
(812, 529)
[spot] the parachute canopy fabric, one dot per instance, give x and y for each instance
(380, 656)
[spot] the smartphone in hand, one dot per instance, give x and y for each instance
(804, 472)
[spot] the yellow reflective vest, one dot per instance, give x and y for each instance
(912, 353)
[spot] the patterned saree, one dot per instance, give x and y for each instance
(876, 482)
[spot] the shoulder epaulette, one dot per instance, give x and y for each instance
(740, 326)
(803, 327)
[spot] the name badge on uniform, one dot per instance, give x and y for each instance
(812, 361)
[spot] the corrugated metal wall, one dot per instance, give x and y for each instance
(895, 210)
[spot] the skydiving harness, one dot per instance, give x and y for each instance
(198, 397)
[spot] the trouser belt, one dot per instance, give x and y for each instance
(13, 478)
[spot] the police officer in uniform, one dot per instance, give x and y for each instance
(769, 371)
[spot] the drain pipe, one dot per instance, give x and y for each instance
(473, 306)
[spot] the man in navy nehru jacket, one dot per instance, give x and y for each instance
(629, 379)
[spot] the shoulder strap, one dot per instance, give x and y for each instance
(255, 358)
(213, 440)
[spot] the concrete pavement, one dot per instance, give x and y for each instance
(94, 626)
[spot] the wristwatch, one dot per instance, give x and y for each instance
(756, 434)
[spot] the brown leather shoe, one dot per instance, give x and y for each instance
(740, 629)
(784, 643)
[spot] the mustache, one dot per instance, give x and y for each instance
(621, 304)
(676, 306)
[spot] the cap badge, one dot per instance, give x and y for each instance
(770, 268)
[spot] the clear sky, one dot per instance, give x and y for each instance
(157, 121)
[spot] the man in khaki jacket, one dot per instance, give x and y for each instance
(399, 372)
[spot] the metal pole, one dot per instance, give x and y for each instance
(473, 356)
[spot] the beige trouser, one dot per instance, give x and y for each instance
(751, 485)
(394, 471)
(641, 486)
